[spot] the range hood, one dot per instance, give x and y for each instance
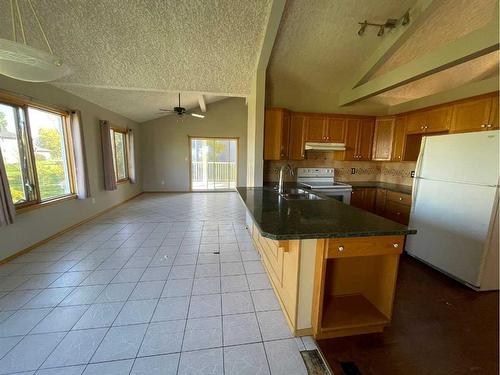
(320, 146)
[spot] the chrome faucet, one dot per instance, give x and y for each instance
(283, 169)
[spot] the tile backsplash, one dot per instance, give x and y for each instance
(392, 172)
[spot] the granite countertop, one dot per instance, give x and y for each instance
(281, 219)
(384, 185)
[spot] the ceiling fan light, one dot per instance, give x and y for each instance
(26, 63)
(197, 115)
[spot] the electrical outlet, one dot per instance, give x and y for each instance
(353, 170)
(412, 174)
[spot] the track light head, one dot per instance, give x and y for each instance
(363, 27)
(406, 18)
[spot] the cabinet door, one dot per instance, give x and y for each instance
(438, 120)
(351, 139)
(472, 115)
(380, 201)
(494, 113)
(272, 134)
(369, 199)
(382, 138)
(335, 130)
(416, 122)
(398, 143)
(316, 129)
(297, 136)
(357, 196)
(365, 139)
(285, 136)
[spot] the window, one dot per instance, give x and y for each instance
(119, 144)
(36, 153)
(214, 164)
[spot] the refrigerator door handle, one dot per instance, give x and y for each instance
(418, 168)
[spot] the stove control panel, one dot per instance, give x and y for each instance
(316, 172)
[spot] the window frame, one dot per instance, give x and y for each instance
(28, 150)
(125, 154)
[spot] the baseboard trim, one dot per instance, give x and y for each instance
(63, 231)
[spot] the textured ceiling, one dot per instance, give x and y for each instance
(139, 106)
(481, 68)
(318, 51)
(189, 45)
(449, 21)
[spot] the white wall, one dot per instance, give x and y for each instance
(38, 224)
(165, 143)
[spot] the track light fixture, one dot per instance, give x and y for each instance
(391, 23)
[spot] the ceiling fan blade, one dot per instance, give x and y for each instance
(197, 115)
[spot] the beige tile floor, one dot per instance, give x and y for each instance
(164, 284)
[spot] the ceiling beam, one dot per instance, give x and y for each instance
(392, 41)
(468, 47)
(203, 105)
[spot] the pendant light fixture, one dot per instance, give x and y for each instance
(23, 62)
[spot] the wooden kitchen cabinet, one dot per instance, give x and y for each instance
(364, 198)
(316, 128)
(296, 147)
(383, 138)
(358, 139)
(352, 295)
(434, 120)
(335, 129)
(276, 134)
(475, 115)
(399, 139)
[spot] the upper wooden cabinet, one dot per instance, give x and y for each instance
(434, 120)
(325, 129)
(358, 139)
(316, 128)
(296, 148)
(399, 140)
(475, 115)
(383, 137)
(276, 134)
(335, 129)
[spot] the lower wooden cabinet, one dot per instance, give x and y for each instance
(354, 287)
(364, 198)
(387, 203)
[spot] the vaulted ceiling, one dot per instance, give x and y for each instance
(318, 52)
(143, 52)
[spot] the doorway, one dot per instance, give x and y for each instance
(214, 163)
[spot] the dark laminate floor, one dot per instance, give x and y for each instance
(438, 327)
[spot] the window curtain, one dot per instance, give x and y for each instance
(131, 157)
(107, 157)
(7, 209)
(82, 175)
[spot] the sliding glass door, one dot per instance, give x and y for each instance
(214, 163)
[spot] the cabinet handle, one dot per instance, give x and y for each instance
(489, 126)
(395, 245)
(422, 127)
(483, 125)
(426, 126)
(399, 156)
(400, 198)
(341, 248)
(398, 213)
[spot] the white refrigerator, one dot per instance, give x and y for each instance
(455, 207)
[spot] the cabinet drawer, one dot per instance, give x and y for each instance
(364, 246)
(401, 198)
(397, 212)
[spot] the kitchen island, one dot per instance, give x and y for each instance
(333, 267)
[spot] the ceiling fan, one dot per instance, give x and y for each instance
(181, 111)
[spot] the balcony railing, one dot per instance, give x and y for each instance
(213, 175)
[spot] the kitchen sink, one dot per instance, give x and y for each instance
(299, 194)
